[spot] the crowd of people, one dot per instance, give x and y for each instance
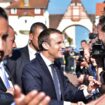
(90, 62)
(37, 71)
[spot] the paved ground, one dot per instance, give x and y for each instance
(72, 77)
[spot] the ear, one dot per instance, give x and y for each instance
(30, 36)
(45, 45)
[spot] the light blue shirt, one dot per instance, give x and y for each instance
(2, 72)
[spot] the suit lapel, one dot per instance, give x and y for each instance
(2, 86)
(48, 75)
(25, 54)
(43, 65)
(9, 74)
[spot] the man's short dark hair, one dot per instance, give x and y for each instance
(44, 36)
(35, 25)
(83, 41)
(3, 13)
(102, 22)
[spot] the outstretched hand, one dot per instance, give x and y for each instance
(32, 98)
(93, 84)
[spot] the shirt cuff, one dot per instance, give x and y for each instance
(13, 103)
(67, 103)
(86, 93)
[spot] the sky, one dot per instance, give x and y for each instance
(60, 6)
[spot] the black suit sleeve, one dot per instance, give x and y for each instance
(72, 93)
(6, 98)
(30, 80)
(55, 102)
(36, 76)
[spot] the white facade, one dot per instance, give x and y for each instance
(75, 15)
(4, 4)
(70, 31)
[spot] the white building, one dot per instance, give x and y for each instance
(22, 14)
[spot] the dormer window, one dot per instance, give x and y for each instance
(75, 13)
(37, 11)
(14, 11)
(26, 3)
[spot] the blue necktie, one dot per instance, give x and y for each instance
(4, 77)
(56, 81)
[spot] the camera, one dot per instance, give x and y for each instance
(81, 52)
(92, 35)
(68, 50)
(98, 48)
(81, 55)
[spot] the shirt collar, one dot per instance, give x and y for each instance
(1, 63)
(31, 51)
(47, 61)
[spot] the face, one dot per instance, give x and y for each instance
(55, 46)
(3, 36)
(84, 45)
(101, 34)
(34, 38)
(87, 54)
(10, 42)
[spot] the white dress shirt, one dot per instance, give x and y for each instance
(32, 53)
(47, 62)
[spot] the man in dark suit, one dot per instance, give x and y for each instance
(38, 74)
(24, 55)
(5, 98)
(8, 93)
(10, 41)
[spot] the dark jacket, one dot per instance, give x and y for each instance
(5, 98)
(16, 63)
(37, 76)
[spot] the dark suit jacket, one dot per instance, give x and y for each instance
(16, 63)
(37, 76)
(5, 98)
